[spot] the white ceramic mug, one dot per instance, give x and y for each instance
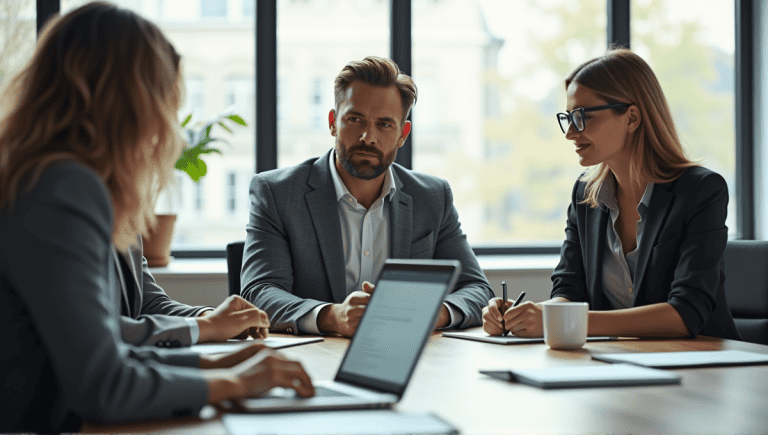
(565, 324)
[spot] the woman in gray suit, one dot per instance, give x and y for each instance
(646, 226)
(90, 137)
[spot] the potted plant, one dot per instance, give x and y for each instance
(157, 243)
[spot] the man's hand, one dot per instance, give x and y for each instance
(343, 318)
(234, 318)
(269, 369)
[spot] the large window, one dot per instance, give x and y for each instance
(690, 45)
(216, 42)
(315, 39)
(490, 75)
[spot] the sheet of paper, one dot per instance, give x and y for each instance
(272, 342)
(510, 339)
(377, 422)
(686, 359)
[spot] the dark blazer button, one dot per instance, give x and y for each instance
(289, 330)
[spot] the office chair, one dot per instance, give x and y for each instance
(234, 264)
(746, 287)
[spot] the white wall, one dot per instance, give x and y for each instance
(207, 285)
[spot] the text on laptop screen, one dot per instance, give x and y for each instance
(390, 335)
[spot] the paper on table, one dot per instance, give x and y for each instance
(686, 359)
(272, 342)
(484, 337)
(334, 422)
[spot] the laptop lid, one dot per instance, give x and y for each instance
(397, 323)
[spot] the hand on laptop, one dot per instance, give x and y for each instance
(234, 318)
(343, 318)
(269, 369)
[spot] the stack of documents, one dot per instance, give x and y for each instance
(614, 375)
(378, 422)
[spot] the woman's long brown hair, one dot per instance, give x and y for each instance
(621, 76)
(102, 88)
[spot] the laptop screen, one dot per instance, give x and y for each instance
(394, 328)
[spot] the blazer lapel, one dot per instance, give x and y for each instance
(136, 266)
(127, 307)
(598, 226)
(657, 214)
(324, 210)
(401, 218)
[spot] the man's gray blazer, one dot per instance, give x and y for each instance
(293, 259)
(62, 356)
(149, 316)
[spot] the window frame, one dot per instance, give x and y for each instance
(618, 33)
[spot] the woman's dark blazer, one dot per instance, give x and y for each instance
(62, 358)
(680, 259)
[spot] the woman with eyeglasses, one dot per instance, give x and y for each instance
(646, 230)
(90, 136)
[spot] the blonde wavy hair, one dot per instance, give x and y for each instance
(621, 76)
(103, 88)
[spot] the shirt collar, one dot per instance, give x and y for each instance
(606, 194)
(388, 189)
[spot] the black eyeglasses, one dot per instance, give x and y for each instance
(579, 120)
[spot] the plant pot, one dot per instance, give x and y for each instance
(157, 243)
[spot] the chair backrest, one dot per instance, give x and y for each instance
(746, 287)
(234, 264)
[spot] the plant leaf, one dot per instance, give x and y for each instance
(237, 119)
(225, 127)
(186, 121)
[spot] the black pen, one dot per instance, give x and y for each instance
(517, 302)
(504, 331)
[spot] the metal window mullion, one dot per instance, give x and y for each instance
(400, 52)
(744, 113)
(266, 85)
(618, 23)
(45, 10)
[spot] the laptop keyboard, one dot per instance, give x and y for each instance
(327, 392)
(287, 393)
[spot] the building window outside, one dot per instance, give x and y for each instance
(213, 8)
(232, 192)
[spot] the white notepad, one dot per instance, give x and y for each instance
(271, 342)
(510, 339)
(712, 358)
(614, 375)
(352, 422)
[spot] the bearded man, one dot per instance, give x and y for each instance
(319, 232)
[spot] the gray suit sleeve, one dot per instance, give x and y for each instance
(472, 290)
(267, 273)
(68, 288)
(148, 330)
(156, 301)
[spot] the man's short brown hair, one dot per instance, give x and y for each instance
(377, 71)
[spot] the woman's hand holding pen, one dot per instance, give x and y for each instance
(492, 316)
(524, 320)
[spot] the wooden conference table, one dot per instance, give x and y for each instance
(447, 382)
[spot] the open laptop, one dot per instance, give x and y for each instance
(387, 345)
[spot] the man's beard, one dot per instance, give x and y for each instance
(363, 170)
